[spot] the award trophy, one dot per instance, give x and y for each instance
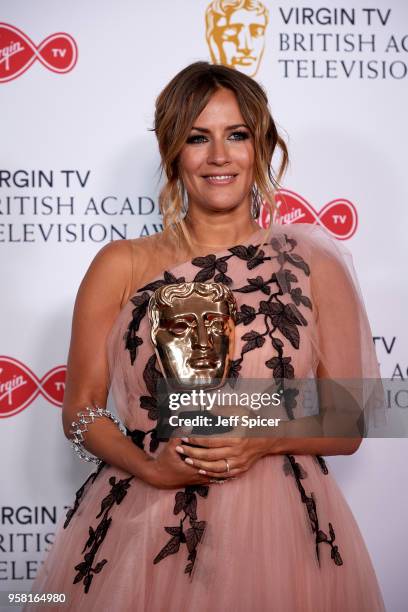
(192, 327)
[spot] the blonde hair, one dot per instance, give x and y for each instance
(177, 107)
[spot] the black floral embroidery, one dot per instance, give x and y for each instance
(299, 298)
(322, 464)
(280, 316)
(288, 468)
(235, 367)
(80, 493)
(185, 501)
(252, 340)
(285, 318)
(137, 436)
(132, 340)
(151, 376)
(310, 502)
(85, 571)
(211, 268)
(245, 315)
(156, 412)
(168, 279)
(255, 284)
(215, 268)
(248, 254)
(116, 495)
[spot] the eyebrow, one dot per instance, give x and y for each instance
(229, 127)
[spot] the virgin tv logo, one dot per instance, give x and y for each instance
(58, 52)
(19, 386)
(338, 216)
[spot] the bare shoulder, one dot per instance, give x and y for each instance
(108, 274)
(118, 254)
(113, 257)
(149, 255)
(113, 273)
(153, 251)
(156, 243)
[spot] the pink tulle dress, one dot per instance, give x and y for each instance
(279, 538)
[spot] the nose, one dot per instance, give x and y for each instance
(218, 152)
(201, 337)
(245, 44)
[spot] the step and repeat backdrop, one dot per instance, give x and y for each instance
(79, 167)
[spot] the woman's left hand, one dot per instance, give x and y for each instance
(241, 454)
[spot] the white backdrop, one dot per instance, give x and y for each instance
(347, 133)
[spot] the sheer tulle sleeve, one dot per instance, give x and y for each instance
(343, 338)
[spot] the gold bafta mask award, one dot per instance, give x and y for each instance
(235, 33)
(192, 327)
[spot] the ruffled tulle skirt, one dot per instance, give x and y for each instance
(281, 537)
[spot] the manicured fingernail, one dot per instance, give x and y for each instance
(202, 472)
(184, 439)
(188, 460)
(179, 449)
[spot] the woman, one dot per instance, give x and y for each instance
(239, 523)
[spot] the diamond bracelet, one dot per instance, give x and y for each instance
(79, 427)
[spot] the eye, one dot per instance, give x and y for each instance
(257, 30)
(196, 139)
(179, 328)
(230, 32)
(217, 326)
(239, 135)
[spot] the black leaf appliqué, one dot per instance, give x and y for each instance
(253, 340)
(85, 570)
(255, 284)
(185, 501)
(132, 340)
(168, 278)
(310, 503)
(80, 493)
(245, 315)
(248, 255)
(212, 267)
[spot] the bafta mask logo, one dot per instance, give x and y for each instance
(235, 32)
(193, 331)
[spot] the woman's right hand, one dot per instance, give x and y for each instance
(169, 471)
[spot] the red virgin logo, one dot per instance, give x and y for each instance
(57, 52)
(19, 386)
(339, 216)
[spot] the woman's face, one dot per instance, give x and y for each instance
(217, 161)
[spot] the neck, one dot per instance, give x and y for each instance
(216, 232)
